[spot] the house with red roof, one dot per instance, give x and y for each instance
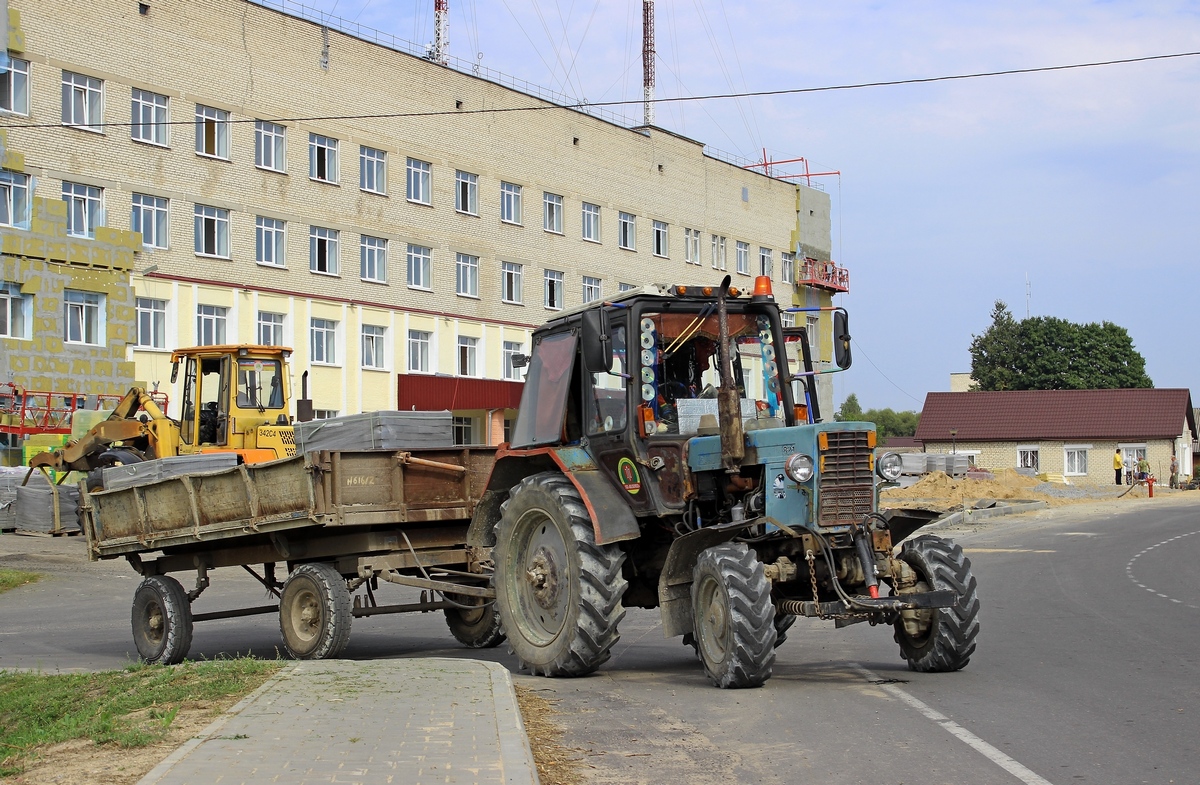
(1070, 432)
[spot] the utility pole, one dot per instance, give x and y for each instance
(648, 60)
(441, 32)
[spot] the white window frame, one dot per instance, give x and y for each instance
(372, 258)
(766, 263)
(419, 350)
(627, 231)
(82, 102)
(85, 205)
(374, 347)
(16, 312)
(151, 323)
(463, 430)
(206, 219)
(467, 356)
(212, 125)
(743, 258)
(1071, 465)
(591, 222)
(661, 238)
(213, 320)
(85, 317)
(718, 252)
(1029, 449)
(466, 275)
(552, 212)
(14, 87)
(787, 267)
(270, 146)
(372, 170)
(269, 327)
(553, 283)
(14, 198)
(323, 341)
(149, 116)
(592, 289)
(624, 287)
(510, 203)
(419, 181)
(323, 241)
(787, 319)
(466, 192)
(691, 246)
(324, 414)
(153, 213)
(512, 277)
(420, 267)
(507, 369)
(322, 158)
(270, 241)
(812, 325)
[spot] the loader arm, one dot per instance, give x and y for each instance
(161, 433)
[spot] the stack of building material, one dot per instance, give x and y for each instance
(10, 479)
(386, 430)
(35, 508)
(115, 477)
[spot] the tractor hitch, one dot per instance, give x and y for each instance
(944, 598)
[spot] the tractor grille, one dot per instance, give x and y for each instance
(847, 489)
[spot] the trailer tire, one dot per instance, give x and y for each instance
(162, 621)
(557, 592)
(314, 612)
(948, 639)
(783, 622)
(733, 616)
(475, 627)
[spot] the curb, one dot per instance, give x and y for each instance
(971, 515)
(514, 741)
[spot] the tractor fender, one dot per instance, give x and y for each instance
(612, 520)
(675, 580)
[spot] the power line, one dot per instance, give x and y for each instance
(584, 105)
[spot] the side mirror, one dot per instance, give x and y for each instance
(841, 339)
(174, 372)
(595, 343)
(520, 360)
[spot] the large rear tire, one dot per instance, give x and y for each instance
(733, 616)
(557, 592)
(162, 621)
(314, 612)
(942, 639)
(476, 627)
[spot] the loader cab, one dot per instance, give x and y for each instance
(228, 392)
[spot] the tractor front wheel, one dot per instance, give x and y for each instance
(939, 639)
(733, 616)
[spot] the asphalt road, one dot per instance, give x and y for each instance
(1085, 672)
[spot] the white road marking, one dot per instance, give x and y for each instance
(954, 729)
(1129, 569)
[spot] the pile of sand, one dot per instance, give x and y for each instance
(939, 491)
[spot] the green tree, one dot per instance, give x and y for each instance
(1048, 353)
(851, 410)
(888, 423)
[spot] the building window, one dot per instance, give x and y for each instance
(591, 222)
(552, 213)
(420, 262)
(765, 265)
(150, 218)
(627, 231)
(464, 430)
(211, 231)
(510, 203)
(787, 319)
(372, 170)
(419, 188)
(660, 239)
(83, 208)
(324, 341)
(467, 348)
(508, 370)
(270, 241)
(743, 257)
(625, 287)
(1075, 460)
(151, 323)
(85, 317)
(418, 350)
(466, 275)
(323, 250)
(14, 198)
(812, 325)
(82, 101)
(149, 117)
(372, 346)
(212, 131)
(322, 158)
(269, 139)
(270, 328)
(210, 324)
(787, 267)
(510, 282)
(14, 87)
(373, 259)
(553, 285)
(466, 192)
(15, 312)
(691, 246)
(324, 414)
(591, 289)
(718, 252)
(1027, 457)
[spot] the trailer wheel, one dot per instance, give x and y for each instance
(733, 616)
(941, 639)
(783, 622)
(314, 612)
(475, 627)
(558, 593)
(162, 620)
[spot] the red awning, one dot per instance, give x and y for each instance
(436, 393)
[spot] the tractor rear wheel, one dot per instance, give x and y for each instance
(477, 624)
(940, 639)
(733, 616)
(558, 592)
(162, 620)
(314, 612)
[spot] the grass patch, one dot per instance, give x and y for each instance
(128, 708)
(11, 579)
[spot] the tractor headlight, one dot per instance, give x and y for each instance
(799, 467)
(888, 466)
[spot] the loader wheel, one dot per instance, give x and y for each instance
(557, 592)
(314, 612)
(474, 627)
(733, 616)
(115, 457)
(940, 639)
(162, 621)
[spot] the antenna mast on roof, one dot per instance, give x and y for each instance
(648, 60)
(1028, 292)
(441, 32)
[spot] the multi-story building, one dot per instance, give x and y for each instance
(402, 224)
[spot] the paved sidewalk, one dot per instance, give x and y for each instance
(404, 721)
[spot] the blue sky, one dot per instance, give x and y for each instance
(951, 193)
